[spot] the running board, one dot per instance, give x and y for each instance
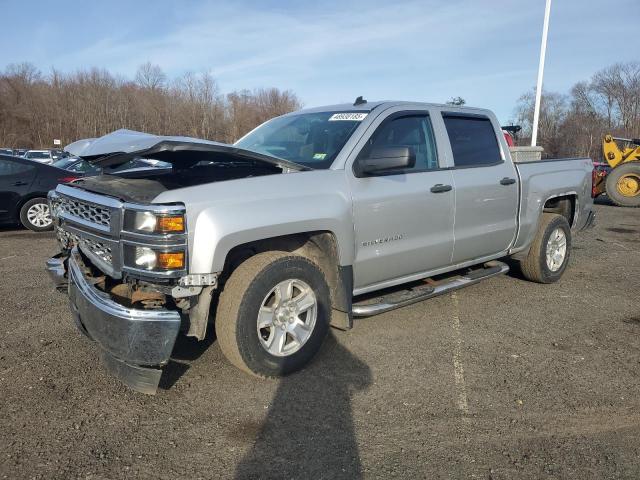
(423, 292)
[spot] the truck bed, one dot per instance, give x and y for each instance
(544, 179)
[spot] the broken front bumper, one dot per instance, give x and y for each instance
(135, 342)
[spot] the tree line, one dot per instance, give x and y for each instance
(574, 123)
(36, 108)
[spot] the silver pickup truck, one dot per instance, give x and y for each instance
(290, 230)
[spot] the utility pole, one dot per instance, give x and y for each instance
(543, 51)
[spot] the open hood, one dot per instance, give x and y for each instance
(123, 145)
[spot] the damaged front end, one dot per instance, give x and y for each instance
(124, 266)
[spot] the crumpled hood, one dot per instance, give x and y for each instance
(122, 145)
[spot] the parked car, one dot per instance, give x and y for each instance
(58, 154)
(42, 156)
(292, 224)
(19, 152)
(6, 151)
(23, 191)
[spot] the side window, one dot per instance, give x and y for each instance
(473, 141)
(414, 132)
(8, 168)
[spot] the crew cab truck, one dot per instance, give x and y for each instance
(276, 238)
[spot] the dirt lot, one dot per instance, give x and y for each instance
(506, 379)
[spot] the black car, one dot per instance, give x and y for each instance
(24, 185)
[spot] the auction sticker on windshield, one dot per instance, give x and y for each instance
(352, 116)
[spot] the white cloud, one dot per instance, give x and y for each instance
(331, 50)
(239, 40)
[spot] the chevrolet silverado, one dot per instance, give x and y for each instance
(305, 223)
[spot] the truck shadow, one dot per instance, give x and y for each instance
(309, 431)
(603, 200)
(514, 269)
(186, 350)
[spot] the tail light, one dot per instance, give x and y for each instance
(508, 138)
(67, 179)
(597, 177)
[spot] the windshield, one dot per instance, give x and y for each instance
(76, 165)
(310, 139)
(138, 163)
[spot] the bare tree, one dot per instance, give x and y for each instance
(553, 111)
(575, 124)
(150, 76)
(618, 87)
(458, 101)
(88, 103)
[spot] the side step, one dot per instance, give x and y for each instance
(368, 308)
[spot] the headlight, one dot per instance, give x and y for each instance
(149, 222)
(146, 258)
(144, 221)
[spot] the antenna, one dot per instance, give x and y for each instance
(359, 101)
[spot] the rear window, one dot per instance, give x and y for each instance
(473, 141)
(38, 155)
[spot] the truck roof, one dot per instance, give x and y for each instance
(369, 106)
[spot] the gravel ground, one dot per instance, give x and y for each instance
(506, 379)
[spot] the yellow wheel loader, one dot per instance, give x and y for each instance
(622, 183)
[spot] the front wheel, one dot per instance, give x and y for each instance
(623, 185)
(549, 253)
(273, 314)
(36, 216)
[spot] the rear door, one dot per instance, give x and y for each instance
(486, 188)
(403, 225)
(15, 182)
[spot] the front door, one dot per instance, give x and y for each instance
(402, 224)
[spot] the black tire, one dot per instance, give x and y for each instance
(241, 299)
(534, 267)
(626, 169)
(24, 215)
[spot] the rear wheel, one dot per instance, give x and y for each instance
(549, 253)
(273, 314)
(36, 216)
(623, 185)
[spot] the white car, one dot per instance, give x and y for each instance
(42, 156)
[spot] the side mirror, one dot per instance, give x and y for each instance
(383, 159)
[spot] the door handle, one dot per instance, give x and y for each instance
(439, 188)
(20, 184)
(507, 181)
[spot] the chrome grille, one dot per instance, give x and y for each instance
(94, 224)
(99, 249)
(66, 239)
(85, 211)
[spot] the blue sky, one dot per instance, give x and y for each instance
(332, 51)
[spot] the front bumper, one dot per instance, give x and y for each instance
(135, 342)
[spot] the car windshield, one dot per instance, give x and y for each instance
(310, 139)
(137, 163)
(76, 165)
